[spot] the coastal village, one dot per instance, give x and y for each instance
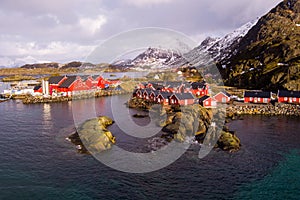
(160, 92)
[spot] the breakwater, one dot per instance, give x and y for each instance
(86, 95)
(269, 109)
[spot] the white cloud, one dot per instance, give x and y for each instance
(142, 3)
(63, 31)
(92, 25)
(29, 52)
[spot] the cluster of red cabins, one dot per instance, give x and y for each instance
(67, 85)
(178, 93)
(283, 96)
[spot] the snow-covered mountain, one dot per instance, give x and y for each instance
(156, 56)
(152, 58)
(216, 49)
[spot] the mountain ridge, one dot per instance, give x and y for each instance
(268, 56)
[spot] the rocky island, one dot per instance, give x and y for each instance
(93, 136)
(179, 122)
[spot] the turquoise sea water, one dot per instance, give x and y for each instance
(37, 162)
(283, 182)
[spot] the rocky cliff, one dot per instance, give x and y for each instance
(268, 56)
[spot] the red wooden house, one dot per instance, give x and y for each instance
(89, 81)
(173, 87)
(139, 93)
(285, 96)
(163, 98)
(146, 93)
(182, 99)
(257, 97)
(103, 83)
(222, 97)
(153, 95)
(207, 102)
(142, 85)
(134, 93)
(199, 88)
(55, 82)
(155, 85)
(38, 89)
(72, 84)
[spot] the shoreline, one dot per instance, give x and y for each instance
(51, 99)
(263, 109)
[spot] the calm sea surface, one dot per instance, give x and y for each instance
(37, 162)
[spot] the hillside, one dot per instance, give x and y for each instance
(268, 56)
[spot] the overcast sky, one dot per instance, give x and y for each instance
(66, 30)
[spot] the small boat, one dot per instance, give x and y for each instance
(3, 98)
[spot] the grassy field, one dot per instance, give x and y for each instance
(37, 71)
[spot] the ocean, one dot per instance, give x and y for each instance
(37, 162)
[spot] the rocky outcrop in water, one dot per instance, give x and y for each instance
(92, 136)
(139, 103)
(178, 123)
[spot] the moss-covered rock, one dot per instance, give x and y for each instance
(92, 136)
(228, 142)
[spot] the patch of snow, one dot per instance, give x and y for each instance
(282, 64)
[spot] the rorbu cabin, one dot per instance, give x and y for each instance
(153, 95)
(138, 93)
(55, 82)
(89, 81)
(163, 98)
(172, 86)
(257, 97)
(134, 93)
(146, 93)
(155, 85)
(208, 102)
(222, 97)
(71, 84)
(38, 89)
(199, 88)
(285, 96)
(182, 99)
(142, 85)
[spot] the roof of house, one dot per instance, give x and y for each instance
(204, 98)
(257, 94)
(165, 95)
(37, 87)
(156, 85)
(68, 82)
(135, 91)
(286, 93)
(155, 92)
(55, 79)
(148, 90)
(198, 85)
(183, 96)
(225, 93)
